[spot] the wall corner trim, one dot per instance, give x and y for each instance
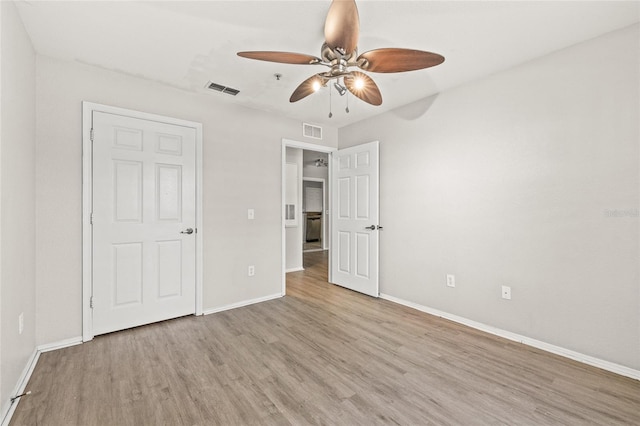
(567, 353)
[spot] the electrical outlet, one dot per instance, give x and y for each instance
(506, 292)
(251, 271)
(251, 214)
(21, 323)
(451, 280)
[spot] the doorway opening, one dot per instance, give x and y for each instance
(305, 202)
(314, 214)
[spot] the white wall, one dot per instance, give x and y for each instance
(17, 201)
(242, 157)
(293, 234)
(512, 180)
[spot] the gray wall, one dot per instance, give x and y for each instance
(514, 180)
(242, 157)
(17, 201)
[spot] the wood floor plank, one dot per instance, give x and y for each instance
(322, 355)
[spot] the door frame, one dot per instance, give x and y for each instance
(289, 143)
(325, 204)
(88, 108)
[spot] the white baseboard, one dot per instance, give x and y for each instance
(7, 411)
(294, 270)
(61, 344)
(241, 304)
(567, 353)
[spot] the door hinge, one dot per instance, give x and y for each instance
(91, 302)
(91, 218)
(91, 134)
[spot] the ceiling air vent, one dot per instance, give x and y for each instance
(311, 131)
(220, 88)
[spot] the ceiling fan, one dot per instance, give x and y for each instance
(339, 53)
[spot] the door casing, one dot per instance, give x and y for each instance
(87, 196)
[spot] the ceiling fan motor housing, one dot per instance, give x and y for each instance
(329, 55)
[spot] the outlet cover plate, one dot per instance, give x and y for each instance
(451, 280)
(506, 292)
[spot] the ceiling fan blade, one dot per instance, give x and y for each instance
(363, 87)
(342, 26)
(307, 87)
(398, 60)
(282, 57)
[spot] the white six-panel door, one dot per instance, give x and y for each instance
(144, 203)
(355, 215)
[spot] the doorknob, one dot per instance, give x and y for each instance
(187, 231)
(372, 227)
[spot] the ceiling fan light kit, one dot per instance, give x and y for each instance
(321, 162)
(340, 54)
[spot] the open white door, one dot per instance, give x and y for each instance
(144, 221)
(355, 214)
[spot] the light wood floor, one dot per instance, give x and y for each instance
(313, 245)
(320, 355)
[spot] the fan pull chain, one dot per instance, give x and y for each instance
(347, 108)
(330, 113)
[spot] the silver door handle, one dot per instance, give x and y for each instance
(372, 227)
(187, 231)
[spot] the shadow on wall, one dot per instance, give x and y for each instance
(415, 110)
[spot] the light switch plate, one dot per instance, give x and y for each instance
(251, 214)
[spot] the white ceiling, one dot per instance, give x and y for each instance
(185, 44)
